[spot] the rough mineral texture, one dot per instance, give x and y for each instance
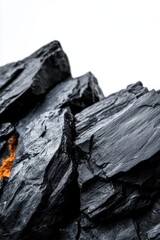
(21, 83)
(75, 165)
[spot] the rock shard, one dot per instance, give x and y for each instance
(24, 81)
(75, 165)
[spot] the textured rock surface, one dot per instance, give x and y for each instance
(22, 82)
(119, 162)
(83, 166)
(34, 183)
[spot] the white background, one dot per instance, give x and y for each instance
(119, 41)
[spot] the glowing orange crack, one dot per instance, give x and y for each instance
(5, 168)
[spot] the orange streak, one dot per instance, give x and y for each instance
(5, 169)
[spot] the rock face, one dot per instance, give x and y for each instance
(22, 82)
(74, 164)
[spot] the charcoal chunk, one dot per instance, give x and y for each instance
(75, 165)
(22, 82)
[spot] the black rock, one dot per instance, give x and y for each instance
(37, 197)
(6, 129)
(42, 173)
(22, 82)
(119, 168)
(74, 164)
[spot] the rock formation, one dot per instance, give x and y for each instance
(75, 165)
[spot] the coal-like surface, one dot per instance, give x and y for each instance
(119, 163)
(85, 166)
(38, 196)
(24, 81)
(36, 189)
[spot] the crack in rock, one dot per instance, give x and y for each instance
(75, 165)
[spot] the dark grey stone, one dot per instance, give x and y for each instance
(39, 178)
(77, 94)
(86, 166)
(124, 230)
(118, 154)
(22, 82)
(36, 199)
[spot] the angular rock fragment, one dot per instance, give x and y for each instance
(37, 196)
(73, 164)
(41, 177)
(116, 151)
(6, 129)
(94, 117)
(77, 94)
(22, 82)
